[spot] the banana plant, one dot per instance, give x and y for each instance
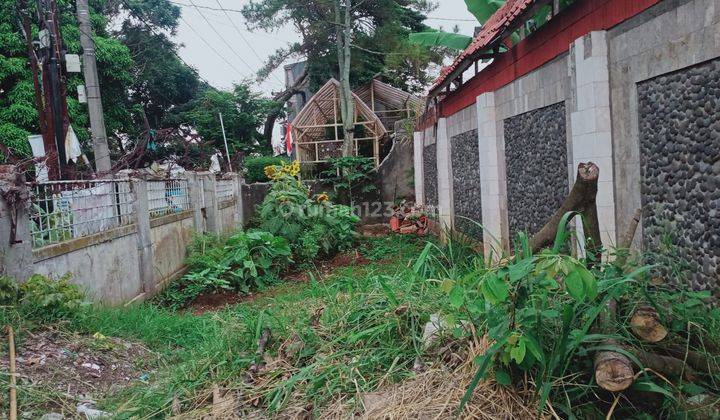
(481, 10)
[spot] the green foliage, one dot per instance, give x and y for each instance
(9, 291)
(539, 311)
(241, 262)
(255, 166)
(41, 298)
(350, 176)
(313, 226)
(380, 36)
(335, 337)
(441, 39)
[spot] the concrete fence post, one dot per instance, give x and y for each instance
(418, 140)
(145, 251)
(239, 217)
(444, 177)
(212, 220)
(15, 236)
(196, 194)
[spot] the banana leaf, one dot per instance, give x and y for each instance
(483, 9)
(441, 39)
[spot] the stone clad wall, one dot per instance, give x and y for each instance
(467, 202)
(679, 121)
(430, 173)
(536, 159)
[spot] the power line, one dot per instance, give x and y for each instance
(244, 39)
(224, 9)
(219, 36)
(222, 57)
(152, 30)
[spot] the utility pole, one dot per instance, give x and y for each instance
(92, 84)
(227, 152)
(53, 88)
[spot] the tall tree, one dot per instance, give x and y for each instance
(378, 41)
(343, 41)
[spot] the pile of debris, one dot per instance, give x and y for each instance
(409, 219)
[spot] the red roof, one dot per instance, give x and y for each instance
(500, 20)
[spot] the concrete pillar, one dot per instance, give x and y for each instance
(444, 171)
(591, 125)
(493, 188)
(212, 220)
(15, 244)
(239, 216)
(418, 167)
(196, 199)
(145, 251)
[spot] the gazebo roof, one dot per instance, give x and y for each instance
(390, 96)
(323, 110)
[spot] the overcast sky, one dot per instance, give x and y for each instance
(224, 51)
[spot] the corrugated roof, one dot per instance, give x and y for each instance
(494, 26)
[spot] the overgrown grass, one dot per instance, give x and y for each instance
(357, 328)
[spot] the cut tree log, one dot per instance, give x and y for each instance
(613, 370)
(581, 199)
(666, 365)
(645, 323)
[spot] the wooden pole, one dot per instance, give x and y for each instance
(13, 390)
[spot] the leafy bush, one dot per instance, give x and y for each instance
(311, 224)
(544, 314)
(255, 166)
(350, 176)
(9, 291)
(242, 261)
(42, 298)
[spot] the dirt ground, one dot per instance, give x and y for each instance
(71, 369)
(218, 301)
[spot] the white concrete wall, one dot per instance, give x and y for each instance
(590, 125)
(106, 270)
(462, 121)
(492, 176)
(445, 182)
(169, 245)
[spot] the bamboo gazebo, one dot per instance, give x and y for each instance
(389, 103)
(318, 129)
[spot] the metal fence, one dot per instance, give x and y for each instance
(168, 196)
(63, 210)
(224, 190)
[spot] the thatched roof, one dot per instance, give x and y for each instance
(323, 111)
(390, 96)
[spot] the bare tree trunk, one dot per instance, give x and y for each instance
(343, 30)
(281, 98)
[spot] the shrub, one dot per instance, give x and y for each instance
(350, 176)
(546, 314)
(41, 298)
(255, 166)
(313, 225)
(242, 261)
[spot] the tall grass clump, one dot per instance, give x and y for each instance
(548, 315)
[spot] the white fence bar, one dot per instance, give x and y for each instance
(63, 210)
